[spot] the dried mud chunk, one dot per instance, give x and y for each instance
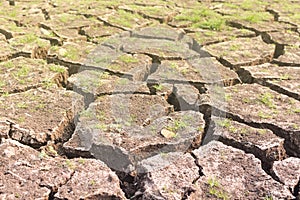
(167, 176)
(91, 84)
(158, 32)
(207, 37)
(267, 71)
(187, 97)
(66, 20)
(291, 56)
(39, 115)
(157, 12)
(21, 74)
(261, 142)
(125, 20)
(99, 30)
(288, 171)
(135, 67)
(194, 71)
(123, 129)
(69, 34)
(266, 107)
(4, 128)
(29, 174)
(285, 38)
(28, 42)
(6, 51)
(243, 51)
(283, 79)
(160, 48)
(72, 51)
(229, 173)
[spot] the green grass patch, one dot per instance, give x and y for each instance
(215, 189)
(128, 59)
(56, 68)
(124, 18)
(203, 18)
(267, 99)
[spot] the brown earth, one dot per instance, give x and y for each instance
(150, 99)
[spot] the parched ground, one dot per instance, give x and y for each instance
(149, 100)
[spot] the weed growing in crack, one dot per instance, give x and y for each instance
(56, 68)
(158, 87)
(216, 190)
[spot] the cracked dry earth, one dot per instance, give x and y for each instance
(150, 99)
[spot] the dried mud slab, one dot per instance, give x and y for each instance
(230, 173)
(264, 144)
(21, 74)
(207, 37)
(285, 38)
(160, 48)
(73, 52)
(28, 42)
(288, 171)
(28, 174)
(158, 32)
(291, 56)
(283, 79)
(242, 51)
(66, 20)
(4, 128)
(123, 129)
(10, 29)
(194, 71)
(167, 176)
(6, 51)
(264, 107)
(99, 31)
(39, 115)
(124, 19)
(157, 12)
(90, 84)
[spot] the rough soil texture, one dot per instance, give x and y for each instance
(150, 99)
